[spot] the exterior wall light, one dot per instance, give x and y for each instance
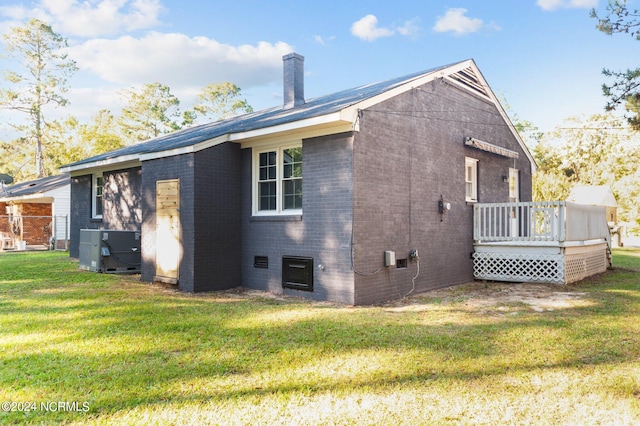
(443, 206)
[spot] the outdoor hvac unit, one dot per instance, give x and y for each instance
(111, 252)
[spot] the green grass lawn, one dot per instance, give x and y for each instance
(88, 348)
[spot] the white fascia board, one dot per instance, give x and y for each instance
(185, 149)
(315, 126)
(322, 121)
(297, 135)
(135, 160)
(125, 162)
(33, 198)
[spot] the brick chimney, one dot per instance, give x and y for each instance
(293, 80)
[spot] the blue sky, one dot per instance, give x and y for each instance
(544, 57)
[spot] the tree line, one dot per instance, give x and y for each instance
(599, 150)
(40, 81)
(602, 149)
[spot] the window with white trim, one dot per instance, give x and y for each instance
(96, 195)
(278, 180)
(471, 179)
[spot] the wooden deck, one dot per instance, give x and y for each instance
(545, 242)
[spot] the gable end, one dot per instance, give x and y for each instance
(468, 78)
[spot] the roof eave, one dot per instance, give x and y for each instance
(322, 125)
(188, 149)
(315, 126)
(32, 198)
(115, 163)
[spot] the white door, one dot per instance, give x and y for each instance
(514, 185)
(514, 196)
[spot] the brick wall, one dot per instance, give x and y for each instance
(209, 216)
(30, 222)
(80, 216)
(175, 167)
(323, 232)
(36, 223)
(4, 219)
(410, 150)
(122, 199)
(217, 197)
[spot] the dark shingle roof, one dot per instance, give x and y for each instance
(258, 120)
(37, 186)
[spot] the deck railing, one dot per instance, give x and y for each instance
(538, 221)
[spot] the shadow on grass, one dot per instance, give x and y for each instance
(120, 346)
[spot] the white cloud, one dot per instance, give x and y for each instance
(183, 63)
(178, 60)
(567, 4)
(90, 18)
(323, 40)
(15, 12)
(367, 29)
(110, 61)
(455, 20)
(410, 28)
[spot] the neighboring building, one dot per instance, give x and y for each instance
(357, 197)
(596, 195)
(601, 195)
(35, 213)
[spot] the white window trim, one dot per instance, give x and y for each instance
(279, 211)
(473, 163)
(94, 195)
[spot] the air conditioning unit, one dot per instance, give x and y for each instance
(111, 252)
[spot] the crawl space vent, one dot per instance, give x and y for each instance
(261, 262)
(297, 273)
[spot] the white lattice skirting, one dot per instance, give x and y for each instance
(581, 265)
(538, 267)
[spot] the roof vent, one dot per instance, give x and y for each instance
(293, 80)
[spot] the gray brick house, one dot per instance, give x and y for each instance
(357, 197)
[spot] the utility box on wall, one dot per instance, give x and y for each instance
(110, 251)
(389, 258)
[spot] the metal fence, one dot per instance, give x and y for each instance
(19, 232)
